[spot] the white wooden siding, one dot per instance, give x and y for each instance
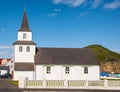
(76, 73)
(28, 74)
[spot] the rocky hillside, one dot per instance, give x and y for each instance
(110, 66)
(109, 60)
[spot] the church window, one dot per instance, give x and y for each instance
(67, 70)
(24, 35)
(85, 70)
(11, 61)
(28, 48)
(20, 48)
(48, 70)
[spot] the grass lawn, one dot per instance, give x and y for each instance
(14, 82)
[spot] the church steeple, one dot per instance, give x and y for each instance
(24, 51)
(25, 25)
(24, 33)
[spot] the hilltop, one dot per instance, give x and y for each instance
(109, 61)
(104, 54)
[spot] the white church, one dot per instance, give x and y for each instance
(38, 63)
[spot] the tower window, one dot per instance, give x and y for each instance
(20, 48)
(48, 70)
(85, 70)
(24, 35)
(28, 48)
(67, 70)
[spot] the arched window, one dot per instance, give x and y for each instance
(20, 48)
(48, 70)
(24, 35)
(67, 70)
(85, 70)
(28, 49)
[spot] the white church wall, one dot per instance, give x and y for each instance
(75, 73)
(55, 74)
(24, 56)
(28, 36)
(58, 73)
(39, 75)
(93, 73)
(28, 74)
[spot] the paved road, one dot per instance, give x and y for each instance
(4, 83)
(5, 86)
(53, 90)
(70, 90)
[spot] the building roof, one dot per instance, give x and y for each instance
(24, 66)
(7, 59)
(24, 25)
(69, 56)
(24, 43)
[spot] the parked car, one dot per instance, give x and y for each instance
(112, 75)
(118, 75)
(104, 74)
(5, 76)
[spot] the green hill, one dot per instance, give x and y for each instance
(103, 53)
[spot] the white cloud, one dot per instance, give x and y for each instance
(57, 10)
(73, 3)
(114, 5)
(52, 14)
(6, 47)
(117, 51)
(93, 3)
(57, 1)
(77, 3)
(96, 3)
(6, 54)
(6, 51)
(84, 14)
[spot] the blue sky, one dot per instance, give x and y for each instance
(61, 23)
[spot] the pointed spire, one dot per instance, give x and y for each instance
(24, 26)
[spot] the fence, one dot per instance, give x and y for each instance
(69, 84)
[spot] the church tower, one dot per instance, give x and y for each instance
(24, 50)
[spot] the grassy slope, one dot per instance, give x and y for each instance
(103, 53)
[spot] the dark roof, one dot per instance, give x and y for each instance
(24, 43)
(24, 66)
(1, 59)
(70, 56)
(25, 26)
